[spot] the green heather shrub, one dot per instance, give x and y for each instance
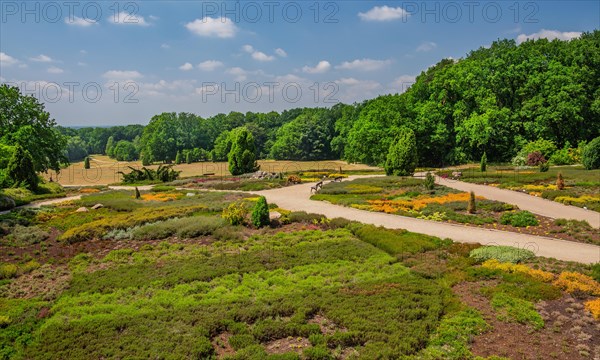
(317, 353)
(596, 272)
(519, 219)
(429, 181)
(501, 253)
(544, 167)
(27, 235)
(591, 155)
(260, 213)
(188, 227)
(513, 309)
(162, 188)
(8, 271)
(395, 242)
(238, 342)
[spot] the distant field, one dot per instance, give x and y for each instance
(105, 170)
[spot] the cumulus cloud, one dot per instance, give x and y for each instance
(384, 13)
(81, 22)
(125, 18)
(548, 34)
(426, 46)
(122, 75)
(257, 55)
(41, 58)
(322, 67)
(7, 60)
(213, 27)
(186, 67)
(363, 64)
(280, 52)
(351, 89)
(210, 65)
(55, 70)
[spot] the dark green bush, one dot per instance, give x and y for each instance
(519, 219)
(395, 242)
(596, 271)
(238, 342)
(429, 181)
(317, 353)
(260, 213)
(591, 155)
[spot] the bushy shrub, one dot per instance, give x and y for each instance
(535, 159)
(395, 242)
(519, 219)
(164, 173)
(188, 227)
(483, 164)
(429, 181)
(574, 282)
(317, 353)
(8, 271)
(560, 182)
(596, 272)
(294, 179)
(501, 253)
(260, 213)
(545, 147)
(241, 341)
(235, 213)
(519, 310)
(27, 235)
(471, 208)
(544, 167)
(562, 157)
(591, 155)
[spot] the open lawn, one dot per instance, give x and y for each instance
(164, 276)
(105, 170)
(582, 187)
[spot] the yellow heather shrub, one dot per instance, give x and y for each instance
(519, 268)
(573, 282)
(593, 306)
(392, 206)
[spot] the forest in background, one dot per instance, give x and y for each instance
(496, 100)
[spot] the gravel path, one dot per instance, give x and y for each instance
(297, 198)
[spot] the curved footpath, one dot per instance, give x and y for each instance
(297, 198)
(536, 205)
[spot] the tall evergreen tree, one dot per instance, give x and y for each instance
(242, 157)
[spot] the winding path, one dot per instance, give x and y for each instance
(297, 198)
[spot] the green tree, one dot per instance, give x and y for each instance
(222, 147)
(21, 170)
(110, 147)
(76, 149)
(242, 158)
(178, 158)
(483, 165)
(591, 155)
(260, 213)
(86, 163)
(188, 157)
(24, 122)
(125, 151)
(402, 156)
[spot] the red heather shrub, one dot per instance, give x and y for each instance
(535, 159)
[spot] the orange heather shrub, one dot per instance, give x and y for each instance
(160, 197)
(593, 306)
(393, 206)
(89, 191)
(519, 268)
(572, 282)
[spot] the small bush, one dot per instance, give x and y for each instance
(162, 188)
(560, 182)
(8, 271)
(544, 167)
(535, 159)
(235, 213)
(317, 353)
(519, 219)
(239, 342)
(294, 179)
(483, 164)
(521, 311)
(501, 253)
(591, 155)
(596, 272)
(471, 208)
(429, 181)
(573, 282)
(260, 213)
(27, 235)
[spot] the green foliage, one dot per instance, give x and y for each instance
(544, 167)
(429, 181)
(21, 169)
(501, 253)
(545, 148)
(235, 213)
(164, 173)
(242, 156)
(26, 124)
(86, 163)
(591, 155)
(178, 158)
(184, 228)
(395, 242)
(317, 353)
(402, 156)
(307, 137)
(260, 213)
(137, 193)
(76, 149)
(8, 271)
(596, 272)
(519, 219)
(188, 158)
(515, 309)
(125, 151)
(25, 236)
(483, 164)
(110, 147)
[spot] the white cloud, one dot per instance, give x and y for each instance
(81, 64)
(125, 18)
(280, 52)
(402, 83)
(363, 64)
(6, 60)
(321, 67)
(186, 67)
(384, 13)
(351, 89)
(81, 22)
(261, 56)
(41, 58)
(209, 65)
(165, 46)
(257, 55)
(426, 46)
(239, 73)
(167, 88)
(213, 27)
(55, 70)
(122, 75)
(548, 34)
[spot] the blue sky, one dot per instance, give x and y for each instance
(108, 63)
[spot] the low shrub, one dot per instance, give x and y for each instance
(502, 254)
(188, 227)
(592, 306)
(162, 188)
(519, 219)
(541, 275)
(235, 213)
(573, 282)
(395, 242)
(27, 235)
(317, 353)
(8, 271)
(535, 159)
(519, 310)
(239, 342)
(596, 272)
